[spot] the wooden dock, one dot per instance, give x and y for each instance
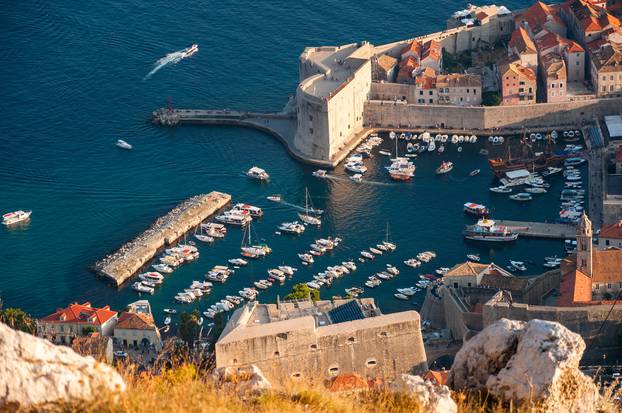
(540, 229)
(133, 255)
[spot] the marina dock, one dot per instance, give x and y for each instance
(540, 229)
(125, 262)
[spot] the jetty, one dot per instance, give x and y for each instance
(540, 229)
(133, 255)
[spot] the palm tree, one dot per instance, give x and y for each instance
(18, 319)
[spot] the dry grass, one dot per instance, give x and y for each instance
(185, 390)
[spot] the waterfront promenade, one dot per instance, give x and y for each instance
(540, 229)
(133, 255)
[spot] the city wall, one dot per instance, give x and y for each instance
(458, 317)
(587, 321)
(399, 114)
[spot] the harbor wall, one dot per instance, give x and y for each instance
(400, 114)
(433, 309)
(127, 260)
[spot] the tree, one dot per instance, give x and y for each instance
(189, 327)
(18, 319)
(303, 292)
(88, 330)
(607, 296)
(491, 99)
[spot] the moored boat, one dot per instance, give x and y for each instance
(445, 167)
(257, 173)
(15, 217)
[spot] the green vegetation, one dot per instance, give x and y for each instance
(607, 296)
(303, 292)
(491, 99)
(457, 63)
(188, 326)
(19, 320)
(88, 330)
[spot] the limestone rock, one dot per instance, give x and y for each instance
(432, 398)
(34, 371)
(534, 362)
(243, 380)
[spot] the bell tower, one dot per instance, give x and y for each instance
(584, 245)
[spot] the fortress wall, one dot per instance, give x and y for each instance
(540, 286)
(585, 320)
(433, 309)
(390, 114)
(307, 354)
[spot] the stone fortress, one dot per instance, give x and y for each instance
(305, 340)
(340, 99)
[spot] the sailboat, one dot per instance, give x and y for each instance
(247, 249)
(388, 244)
(306, 217)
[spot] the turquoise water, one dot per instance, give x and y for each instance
(73, 83)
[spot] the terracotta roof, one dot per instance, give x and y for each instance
(433, 49)
(439, 378)
(538, 14)
(612, 230)
(522, 42)
(607, 58)
(413, 46)
(574, 287)
(592, 18)
(135, 321)
(82, 314)
(347, 382)
(554, 66)
(503, 282)
(466, 269)
(607, 266)
(387, 62)
(519, 70)
(554, 41)
(426, 79)
(481, 15)
(458, 80)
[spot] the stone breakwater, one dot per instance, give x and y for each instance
(125, 262)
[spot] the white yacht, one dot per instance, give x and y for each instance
(253, 211)
(15, 217)
(257, 173)
(292, 227)
(234, 218)
(238, 261)
(138, 286)
(189, 51)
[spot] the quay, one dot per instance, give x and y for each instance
(540, 229)
(127, 260)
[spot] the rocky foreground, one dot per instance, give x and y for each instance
(520, 367)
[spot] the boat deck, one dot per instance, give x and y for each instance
(540, 229)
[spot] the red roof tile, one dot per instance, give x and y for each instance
(522, 42)
(439, 378)
(81, 313)
(135, 321)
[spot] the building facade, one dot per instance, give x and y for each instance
(310, 341)
(518, 84)
(65, 324)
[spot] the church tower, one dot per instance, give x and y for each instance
(584, 245)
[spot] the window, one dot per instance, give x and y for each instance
(311, 118)
(371, 363)
(311, 131)
(611, 88)
(561, 85)
(313, 347)
(431, 101)
(596, 287)
(234, 361)
(421, 92)
(351, 340)
(607, 242)
(469, 284)
(609, 285)
(430, 93)
(611, 77)
(455, 285)
(467, 90)
(552, 85)
(297, 375)
(461, 99)
(333, 370)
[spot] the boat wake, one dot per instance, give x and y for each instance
(363, 182)
(169, 59)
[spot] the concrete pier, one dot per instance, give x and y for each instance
(540, 229)
(122, 264)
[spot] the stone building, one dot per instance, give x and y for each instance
(303, 340)
(478, 27)
(459, 89)
(606, 69)
(573, 54)
(385, 68)
(540, 18)
(554, 75)
(62, 326)
(334, 86)
(586, 22)
(610, 235)
(523, 49)
(136, 327)
(518, 84)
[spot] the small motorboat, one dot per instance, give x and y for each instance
(123, 144)
(170, 311)
(519, 265)
(444, 168)
(386, 153)
(368, 255)
(413, 263)
(356, 167)
(308, 258)
(501, 189)
(320, 173)
(521, 197)
(474, 172)
(536, 190)
(357, 178)
(189, 51)
(257, 173)
(15, 217)
(286, 269)
(410, 291)
(274, 198)
(400, 296)
(167, 321)
(375, 251)
(473, 257)
(204, 238)
(238, 261)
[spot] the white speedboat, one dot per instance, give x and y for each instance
(501, 189)
(357, 178)
(257, 173)
(16, 217)
(444, 168)
(167, 321)
(308, 258)
(286, 269)
(367, 254)
(138, 286)
(521, 197)
(162, 268)
(238, 261)
(473, 257)
(170, 311)
(292, 227)
(356, 167)
(410, 291)
(122, 144)
(274, 198)
(204, 238)
(536, 190)
(189, 51)
(400, 296)
(320, 173)
(253, 211)
(234, 218)
(412, 262)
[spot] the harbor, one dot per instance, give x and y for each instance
(127, 260)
